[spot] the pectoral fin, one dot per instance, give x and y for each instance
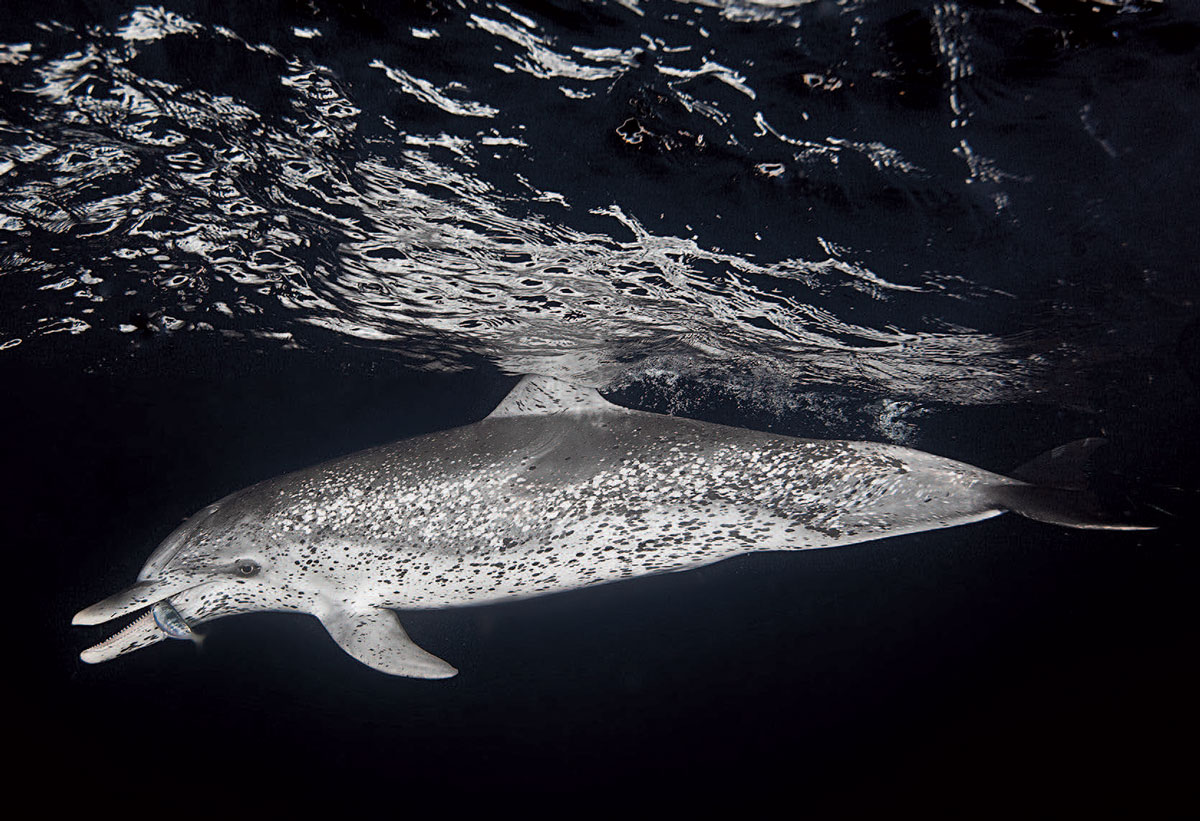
(374, 636)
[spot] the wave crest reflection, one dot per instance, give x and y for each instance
(567, 199)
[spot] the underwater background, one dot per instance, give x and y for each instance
(237, 239)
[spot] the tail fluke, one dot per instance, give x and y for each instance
(1061, 506)
(1054, 490)
(1066, 466)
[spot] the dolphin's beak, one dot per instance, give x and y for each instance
(134, 598)
(142, 632)
(186, 591)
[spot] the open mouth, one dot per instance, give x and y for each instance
(162, 619)
(141, 632)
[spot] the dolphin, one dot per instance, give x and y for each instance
(556, 489)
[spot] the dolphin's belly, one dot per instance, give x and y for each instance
(600, 548)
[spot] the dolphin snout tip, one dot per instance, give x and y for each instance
(86, 617)
(97, 613)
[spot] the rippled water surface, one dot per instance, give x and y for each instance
(237, 238)
(925, 202)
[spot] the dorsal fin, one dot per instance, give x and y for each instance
(538, 395)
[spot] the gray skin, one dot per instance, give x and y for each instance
(556, 489)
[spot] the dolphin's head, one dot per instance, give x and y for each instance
(215, 564)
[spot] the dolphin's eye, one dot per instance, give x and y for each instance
(245, 567)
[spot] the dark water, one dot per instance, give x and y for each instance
(236, 241)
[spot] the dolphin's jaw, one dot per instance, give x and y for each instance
(132, 599)
(142, 631)
(199, 602)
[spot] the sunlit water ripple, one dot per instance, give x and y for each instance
(604, 192)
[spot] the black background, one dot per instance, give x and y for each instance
(983, 667)
(1004, 667)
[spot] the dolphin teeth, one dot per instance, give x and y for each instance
(141, 632)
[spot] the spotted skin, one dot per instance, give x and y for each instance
(556, 490)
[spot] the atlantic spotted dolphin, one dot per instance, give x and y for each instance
(556, 489)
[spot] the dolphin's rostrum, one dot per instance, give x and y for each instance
(556, 489)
